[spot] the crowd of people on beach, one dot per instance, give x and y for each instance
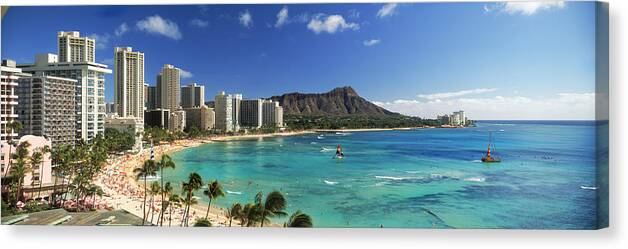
(122, 191)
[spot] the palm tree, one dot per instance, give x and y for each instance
(195, 182)
(147, 169)
(186, 213)
(273, 206)
(21, 168)
(165, 162)
(11, 127)
(173, 200)
(36, 163)
(95, 190)
(235, 212)
(299, 219)
(165, 191)
(155, 189)
(250, 215)
(213, 191)
(60, 158)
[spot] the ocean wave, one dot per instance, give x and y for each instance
(313, 143)
(330, 182)
(379, 184)
(394, 178)
(475, 179)
(476, 161)
(588, 187)
(412, 172)
(234, 192)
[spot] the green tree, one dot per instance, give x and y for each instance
(299, 219)
(12, 127)
(174, 200)
(273, 206)
(213, 191)
(202, 222)
(167, 192)
(155, 189)
(235, 212)
(20, 168)
(195, 182)
(164, 163)
(36, 161)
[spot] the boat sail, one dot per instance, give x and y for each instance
(488, 158)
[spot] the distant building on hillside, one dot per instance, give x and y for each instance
(456, 119)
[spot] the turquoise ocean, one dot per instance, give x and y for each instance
(423, 178)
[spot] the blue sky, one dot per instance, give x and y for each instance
(494, 60)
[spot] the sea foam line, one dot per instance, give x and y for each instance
(330, 182)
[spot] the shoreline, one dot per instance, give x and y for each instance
(124, 192)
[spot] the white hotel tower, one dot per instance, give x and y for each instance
(77, 62)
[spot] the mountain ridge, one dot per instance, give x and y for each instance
(340, 101)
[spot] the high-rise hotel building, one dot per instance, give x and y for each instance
(74, 48)
(89, 89)
(235, 110)
(9, 76)
(128, 75)
(223, 112)
(192, 95)
(169, 87)
(251, 113)
(47, 108)
(272, 114)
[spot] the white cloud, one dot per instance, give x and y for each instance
(371, 42)
(387, 10)
(282, 17)
(185, 74)
(122, 29)
(559, 106)
(330, 24)
(526, 8)
(102, 41)
(199, 23)
(246, 19)
(445, 95)
(157, 25)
